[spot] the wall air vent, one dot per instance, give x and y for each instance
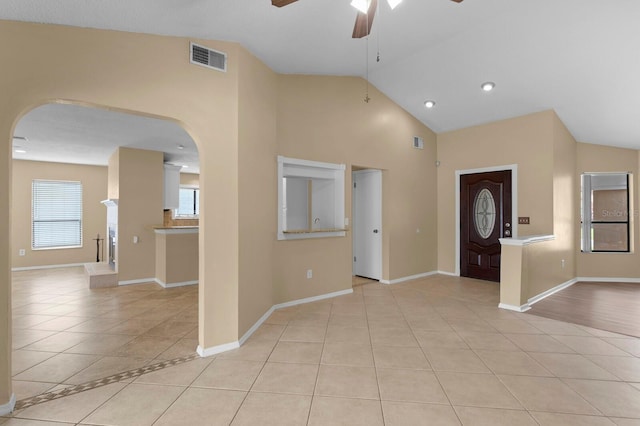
(201, 55)
(418, 142)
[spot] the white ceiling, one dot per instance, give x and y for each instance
(578, 57)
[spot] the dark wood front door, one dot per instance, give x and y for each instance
(485, 216)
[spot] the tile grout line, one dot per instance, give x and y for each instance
(94, 384)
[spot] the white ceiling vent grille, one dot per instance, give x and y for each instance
(201, 55)
(418, 142)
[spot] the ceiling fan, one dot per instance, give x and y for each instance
(366, 13)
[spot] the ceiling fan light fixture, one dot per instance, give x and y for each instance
(361, 5)
(393, 3)
(429, 104)
(488, 86)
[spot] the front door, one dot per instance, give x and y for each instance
(485, 216)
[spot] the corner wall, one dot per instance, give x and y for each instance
(94, 214)
(527, 141)
(325, 119)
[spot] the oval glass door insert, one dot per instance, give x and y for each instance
(484, 213)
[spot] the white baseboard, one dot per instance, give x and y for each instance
(313, 299)
(608, 279)
(30, 268)
(545, 294)
(409, 278)
(9, 406)
(508, 307)
(172, 285)
(214, 350)
(140, 281)
(451, 274)
(205, 352)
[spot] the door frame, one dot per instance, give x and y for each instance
(353, 220)
(514, 202)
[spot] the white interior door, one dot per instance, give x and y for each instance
(367, 223)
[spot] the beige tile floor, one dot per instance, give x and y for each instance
(435, 351)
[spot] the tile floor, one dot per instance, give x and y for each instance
(432, 351)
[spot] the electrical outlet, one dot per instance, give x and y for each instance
(21, 252)
(309, 273)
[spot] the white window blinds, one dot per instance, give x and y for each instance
(56, 214)
(189, 202)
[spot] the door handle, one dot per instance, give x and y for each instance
(375, 231)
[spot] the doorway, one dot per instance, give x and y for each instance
(367, 223)
(485, 217)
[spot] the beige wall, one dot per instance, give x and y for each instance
(256, 184)
(140, 202)
(122, 71)
(176, 257)
(190, 179)
(325, 119)
(94, 214)
(596, 158)
(527, 141)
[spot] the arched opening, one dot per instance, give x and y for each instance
(58, 319)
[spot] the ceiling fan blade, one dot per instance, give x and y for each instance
(280, 3)
(457, 1)
(364, 21)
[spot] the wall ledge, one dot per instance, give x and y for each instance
(526, 240)
(409, 278)
(9, 406)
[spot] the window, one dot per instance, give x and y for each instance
(56, 214)
(605, 212)
(310, 199)
(188, 202)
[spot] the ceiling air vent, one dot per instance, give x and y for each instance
(418, 142)
(200, 55)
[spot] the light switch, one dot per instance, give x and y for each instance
(136, 239)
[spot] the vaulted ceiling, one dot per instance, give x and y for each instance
(578, 57)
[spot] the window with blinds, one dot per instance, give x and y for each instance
(189, 202)
(56, 214)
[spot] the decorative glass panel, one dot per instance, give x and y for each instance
(484, 213)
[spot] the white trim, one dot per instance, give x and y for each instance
(525, 241)
(178, 230)
(313, 299)
(9, 406)
(256, 325)
(409, 278)
(205, 352)
(214, 350)
(514, 203)
(140, 281)
(608, 279)
(545, 294)
(450, 274)
(523, 308)
(309, 163)
(172, 285)
(29, 268)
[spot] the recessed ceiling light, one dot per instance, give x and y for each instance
(184, 166)
(20, 151)
(180, 146)
(488, 86)
(429, 104)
